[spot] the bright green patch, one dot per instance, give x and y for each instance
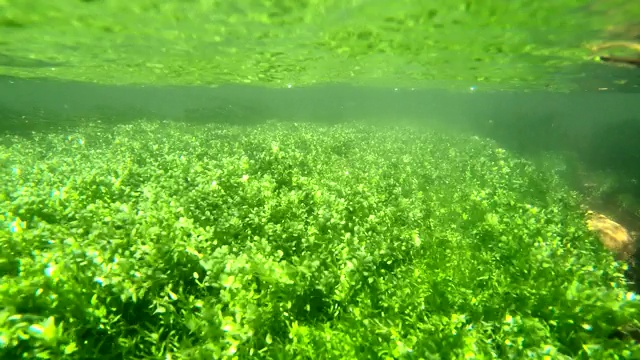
(168, 241)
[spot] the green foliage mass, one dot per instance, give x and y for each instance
(171, 241)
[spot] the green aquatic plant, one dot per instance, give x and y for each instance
(163, 240)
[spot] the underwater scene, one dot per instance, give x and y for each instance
(319, 179)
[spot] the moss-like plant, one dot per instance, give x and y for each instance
(162, 240)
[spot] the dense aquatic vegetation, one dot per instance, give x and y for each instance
(162, 240)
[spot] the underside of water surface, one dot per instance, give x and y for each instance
(275, 179)
(436, 44)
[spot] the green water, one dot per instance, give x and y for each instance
(195, 179)
(437, 44)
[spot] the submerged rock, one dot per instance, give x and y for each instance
(612, 235)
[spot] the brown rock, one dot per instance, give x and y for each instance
(612, 235)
